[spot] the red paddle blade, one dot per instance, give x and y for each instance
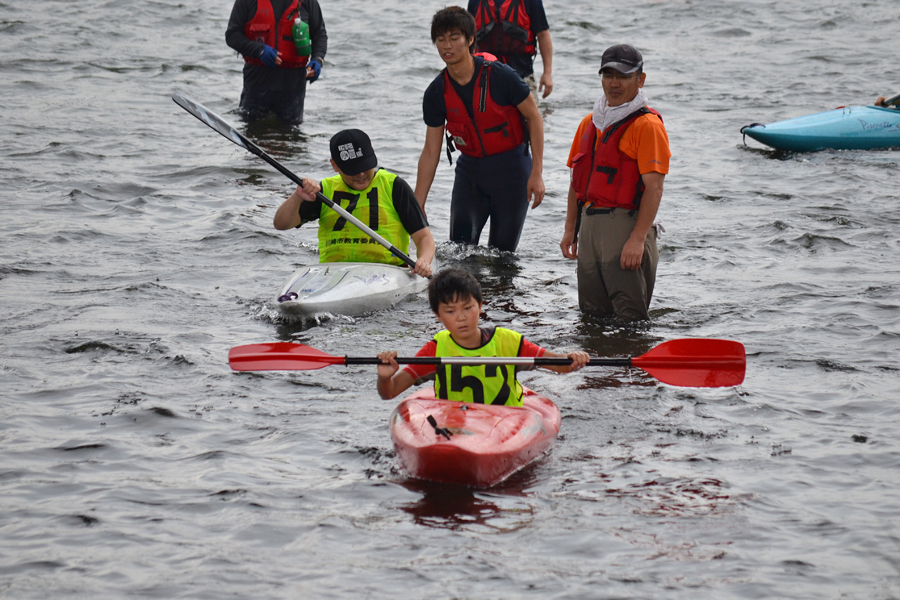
(696, 362)
(279, 356)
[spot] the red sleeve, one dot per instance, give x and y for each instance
(419, 372)
(530, 350)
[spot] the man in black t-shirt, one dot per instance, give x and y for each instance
(374, 196)
(517, 41)
(489, 114)
(271, 82)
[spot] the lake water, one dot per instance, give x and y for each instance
(137, 248)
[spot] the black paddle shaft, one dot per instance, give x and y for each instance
(489, 360)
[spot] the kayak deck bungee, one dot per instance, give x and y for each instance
(844, 128)
(477, 445)
(346, 288)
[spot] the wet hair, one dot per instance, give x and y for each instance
(453, 285)
(450, 19)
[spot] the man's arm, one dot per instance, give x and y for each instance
(424, 242)
(288, 214)
(317, 34)
(633, 251)
(569, 243)
(534, 122)
(545, 47)
(241, 13)
(428, 162)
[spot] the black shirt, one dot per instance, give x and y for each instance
(507, 89)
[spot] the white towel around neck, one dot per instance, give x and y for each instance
(605, 115)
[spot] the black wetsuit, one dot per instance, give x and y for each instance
(495, 186)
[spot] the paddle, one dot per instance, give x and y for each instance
(686, 362)
(219, 124)
(890, 101)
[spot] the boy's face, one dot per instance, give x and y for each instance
(460, 318)
(453, 46)
(358, 182)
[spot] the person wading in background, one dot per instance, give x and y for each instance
(275, 74)
(515, 31)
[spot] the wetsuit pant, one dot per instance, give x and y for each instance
(286, 101)
(494, 187)
(604, 287)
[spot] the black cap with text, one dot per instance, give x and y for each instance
(352, 151)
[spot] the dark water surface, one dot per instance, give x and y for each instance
(137, 248)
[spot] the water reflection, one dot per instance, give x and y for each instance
(503, 507)
(609, 337)
(280, 140)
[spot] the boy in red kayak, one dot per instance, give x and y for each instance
(455, 297)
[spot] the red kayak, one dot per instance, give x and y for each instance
(477, 445)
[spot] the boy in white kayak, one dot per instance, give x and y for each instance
(379, 199)
(455, 297)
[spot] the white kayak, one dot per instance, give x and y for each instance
(346, 288)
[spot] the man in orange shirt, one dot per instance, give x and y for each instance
(619, 159)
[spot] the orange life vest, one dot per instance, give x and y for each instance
(495, 128)
(603, 175)
(263, 28)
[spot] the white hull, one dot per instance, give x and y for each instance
(346, 288)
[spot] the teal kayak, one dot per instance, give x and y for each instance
(844, 128)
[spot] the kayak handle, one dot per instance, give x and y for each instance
(438, 430)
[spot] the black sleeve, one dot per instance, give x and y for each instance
(317, 33)
(241, 13)
(507, 88)
(434, 109)
(535, 10)
(309, 211)
(407, 207)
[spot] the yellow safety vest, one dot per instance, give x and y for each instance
(479, 384)
(342, 241)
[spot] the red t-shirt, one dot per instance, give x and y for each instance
(422, 373)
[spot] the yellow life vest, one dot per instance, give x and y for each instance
(342, 241)
(479, 384)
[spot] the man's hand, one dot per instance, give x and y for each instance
(423, 268)
(269, 57)
(309, 190)
(546, 84)
(313, 70)
(569, 244)
(535, 189)
(632, 254)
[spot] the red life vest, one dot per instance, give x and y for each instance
(495, 129)
(603, 175)
(262, 28)
(505, 28)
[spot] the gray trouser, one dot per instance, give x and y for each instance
(604, 287)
